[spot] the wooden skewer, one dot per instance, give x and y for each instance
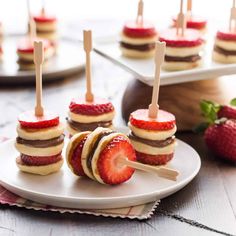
(87, 48)
(32, 26)
(232, 20)
(189, 6)
(160, 171)
(159, 58)
(38, 61)
(43, 8)
(139, 19)
(181, 21)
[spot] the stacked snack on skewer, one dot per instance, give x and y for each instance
(40, 134)
(46, 27)
(25, 52)
(108, 157)
(89, 112)
(183, 46)
(153, 139)
(152, 130)
(225, 41)
(138, 37)
(193, 21)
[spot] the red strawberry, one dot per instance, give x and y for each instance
(75, 160)
(111, 172)
(191, 38)
(227, 112)
(40, 161)
(226, 35)
(153, 159)
(164, 121)
(97, 107)
(44, 19)
(221, 139)
(134, 30)
(29, 120)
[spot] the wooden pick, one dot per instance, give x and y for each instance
(189, 6)
(38, 61)
(87, 48)
(181, 21)
(160, 171)
(159, 58)
(232, 20)
(139, 19)
(43, 8)
(32, 26)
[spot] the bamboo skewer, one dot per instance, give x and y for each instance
(159, 58)
(181, 21)
(232, 20)
(38, 61)
(161, 171)
(32, 26)
(87, 48)
(139, 19)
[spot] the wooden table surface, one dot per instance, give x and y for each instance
(207, 206)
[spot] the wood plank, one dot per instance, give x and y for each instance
(204, 200)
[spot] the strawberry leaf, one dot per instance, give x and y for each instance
(209, 110)
(233, 102)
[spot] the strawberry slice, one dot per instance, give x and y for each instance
(29, 120)
(111, 172)
(134, 30)
(191, 38)
(227, 112)
(164, 121)
(153, 159)
(75, 160)
(98, 107)
(195, 22)
(45, 19)
(40, 161)
(226, 35)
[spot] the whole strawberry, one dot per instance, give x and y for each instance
(220, 129)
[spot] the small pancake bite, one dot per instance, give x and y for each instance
(46, 27)
(25, 52)
(40, 142)
(153, 138)
(87, 116)
(138, 40)
(182, 52)
(94, 154)
(225, 47)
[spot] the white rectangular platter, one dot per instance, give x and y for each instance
(143, 69)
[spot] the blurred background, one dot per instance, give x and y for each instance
(76, 14)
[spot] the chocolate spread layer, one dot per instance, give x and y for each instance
(94, 147)
(224, 52)
(153, 143)
(88, 126)
(139, 47)
(192, 58)
(41, 143)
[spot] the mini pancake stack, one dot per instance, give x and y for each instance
(25, 52)
(194, 22)
(138, 40)
(46, 28)
(93, 154)
(153, 139)
(87, 116)
(182, 52)
(40, 141)
(225, 47)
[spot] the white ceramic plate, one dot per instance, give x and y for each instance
(63, 189)
(143, 69)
